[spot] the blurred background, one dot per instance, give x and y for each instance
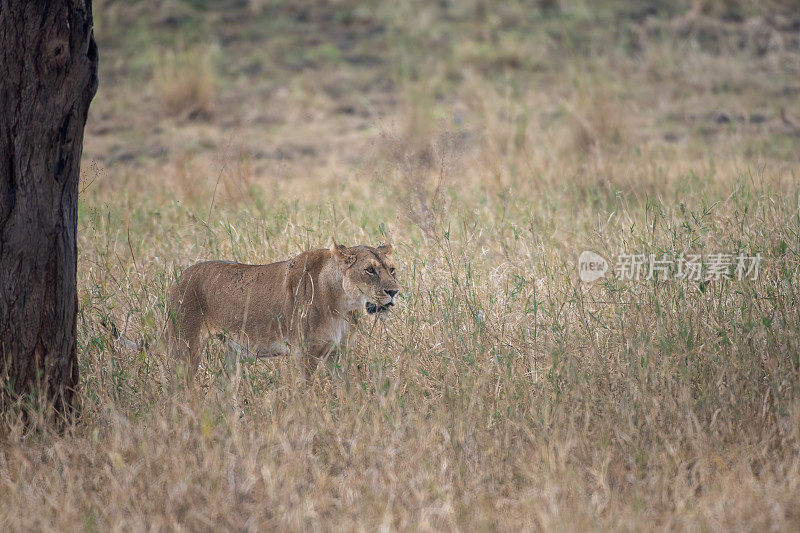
(241, 96)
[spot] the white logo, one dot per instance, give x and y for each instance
(591, 266)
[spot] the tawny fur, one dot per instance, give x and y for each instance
(302, 306)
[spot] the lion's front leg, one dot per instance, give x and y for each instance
(309, 358)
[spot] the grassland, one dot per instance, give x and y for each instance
(491, 144)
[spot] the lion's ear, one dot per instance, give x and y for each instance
(385, 249)
(342, 254)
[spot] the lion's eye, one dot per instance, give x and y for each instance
(391, 271)
(370, 271)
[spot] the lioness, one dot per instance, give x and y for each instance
(300, 306)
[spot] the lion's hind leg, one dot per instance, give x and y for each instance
(184, 333)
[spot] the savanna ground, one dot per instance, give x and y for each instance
(491, 143)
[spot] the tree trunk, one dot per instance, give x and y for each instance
(48, 76)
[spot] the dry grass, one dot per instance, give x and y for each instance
(185, 82)
(504, 393)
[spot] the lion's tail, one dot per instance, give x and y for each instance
(130, 344)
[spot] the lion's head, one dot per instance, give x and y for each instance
(368, 275)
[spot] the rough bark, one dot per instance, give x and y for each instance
(48, 77)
